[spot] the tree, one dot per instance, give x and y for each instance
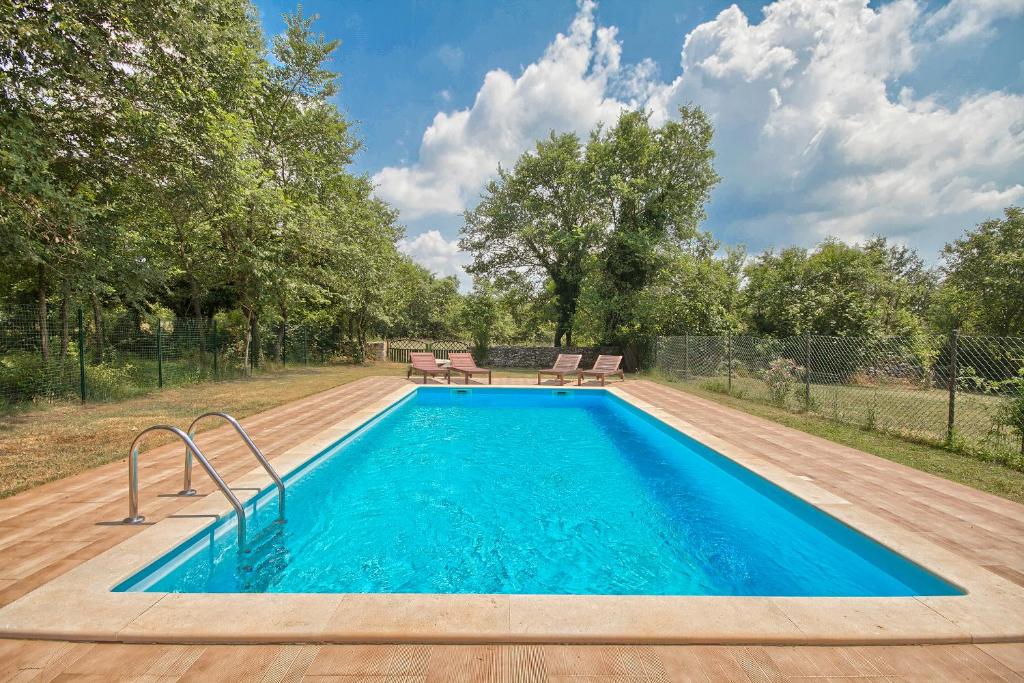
(430, 306)
(541, 220)
(483, 317)
(837, 290)
(983, 289)
(696, 292)
(653, 184)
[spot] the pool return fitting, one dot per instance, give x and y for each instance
(192, 450)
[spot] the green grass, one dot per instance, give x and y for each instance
(913, 413)
(991, 477)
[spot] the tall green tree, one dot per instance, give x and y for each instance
(654, 183)
(983, 289)
(541, 219)
(838, 289)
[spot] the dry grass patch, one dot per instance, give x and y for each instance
(58, 441)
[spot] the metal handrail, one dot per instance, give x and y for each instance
(133, 478)
(189, 491)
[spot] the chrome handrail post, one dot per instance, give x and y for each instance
(133, 479)
(133, 485)
(186, 487)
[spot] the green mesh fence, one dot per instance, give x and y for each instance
(72, 355)
(899, 385)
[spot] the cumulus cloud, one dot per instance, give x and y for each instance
(564, 90)
(810, 139)
(813, 133)
(961, 20)
(432, 251)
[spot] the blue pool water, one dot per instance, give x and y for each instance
(533, 491)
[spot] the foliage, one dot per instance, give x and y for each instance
(1011, 412)
(654, 184)
(540, 220)
(599, 227)
(838, 290)
(483, 317)
(155, 156)
(778, 378)
(983, 290)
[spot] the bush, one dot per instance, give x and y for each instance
(779, 378)
(1011, 412)
(113, 382)
(25, 377)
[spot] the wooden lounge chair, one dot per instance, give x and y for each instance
(463, 362)
(603, 366)
(426, 364)
(565, 364)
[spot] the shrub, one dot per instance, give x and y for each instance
(1011, 412)
(25, 376)
(779, 378)
(112, 382)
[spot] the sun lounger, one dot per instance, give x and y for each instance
(565, 364)
(603, 366)
(425, 364)
(463, 362)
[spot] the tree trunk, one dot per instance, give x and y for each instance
(567, 294)
(97, 314)
(282, 328)
(65, 332)
(44, 325)
(200, 323)
(247, 347)
(256, 343)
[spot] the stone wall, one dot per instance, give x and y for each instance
(540, 356)
(376, 350)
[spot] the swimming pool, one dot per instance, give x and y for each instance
(524, 491)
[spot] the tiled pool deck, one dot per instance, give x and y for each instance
(52, 539)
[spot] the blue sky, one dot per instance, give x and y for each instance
(833, 117)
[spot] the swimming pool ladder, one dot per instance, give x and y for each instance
(187, 489)
(133, 478)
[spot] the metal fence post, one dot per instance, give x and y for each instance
(728, 361)
(686, 356)
(81, 354)
(807, 372)
(159, 354)
(305, 346)
(213, 338)
(284, 347)
(951, 420)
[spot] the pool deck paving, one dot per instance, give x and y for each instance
(60, 541)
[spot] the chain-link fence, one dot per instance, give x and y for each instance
(74, 353)
(960, 391)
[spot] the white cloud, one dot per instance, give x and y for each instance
(809, 136)
(564, 90)
(963, 19)
(813, 135)
(432, 251)
(451, 56)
